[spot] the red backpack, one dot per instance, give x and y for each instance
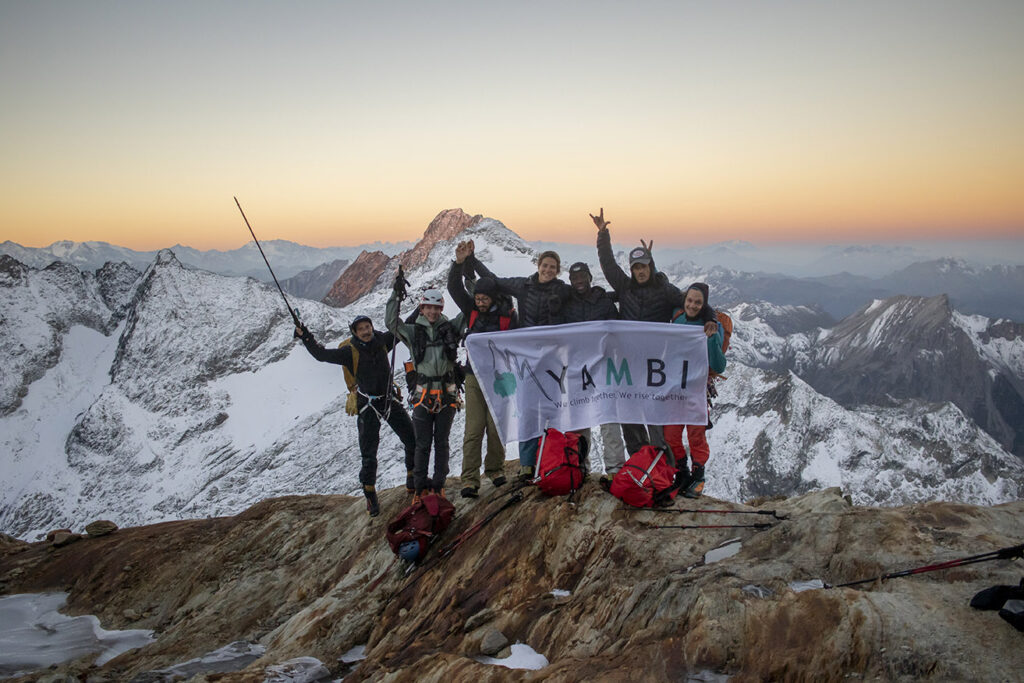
(561, 462)
(645, 478)
(417, 526)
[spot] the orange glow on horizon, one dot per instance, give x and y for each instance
(806, 122)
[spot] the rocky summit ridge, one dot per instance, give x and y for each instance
(590, 586)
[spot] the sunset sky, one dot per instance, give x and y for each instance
(340, 123)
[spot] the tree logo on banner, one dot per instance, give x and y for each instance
(505, 383)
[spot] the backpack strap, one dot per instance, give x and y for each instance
(350, 377)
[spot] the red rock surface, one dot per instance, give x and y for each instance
(360, 277)
(445, 226)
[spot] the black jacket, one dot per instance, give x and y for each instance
(489, 321)
(539, 304)
(653, 301)
(596, 304)
(374, 364)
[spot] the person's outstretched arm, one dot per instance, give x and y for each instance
(613, 273)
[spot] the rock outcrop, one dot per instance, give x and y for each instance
(366, 270)
(445, 226)
(920, 348)
(358, 279)
(593, 587)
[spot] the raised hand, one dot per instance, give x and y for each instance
(401, 284)
(599, 220)
(462, 250)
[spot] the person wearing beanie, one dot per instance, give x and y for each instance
(585, 303)
(483, 311)
(372, 398)
(645, 294)
(691, 480)
(433, 343)
(540, 298)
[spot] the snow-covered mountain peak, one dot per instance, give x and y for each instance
(888, 322)
(426, 264)
(166, 257)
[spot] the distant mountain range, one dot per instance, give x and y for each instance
(836, 279)
(287, 258)
(992, 291)
(149, 394)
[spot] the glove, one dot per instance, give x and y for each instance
(351, 404)
(302, 332)
(400, 284)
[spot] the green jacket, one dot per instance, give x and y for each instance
(435, 363)
(716, 357)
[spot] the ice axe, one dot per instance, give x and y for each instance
(295, 315)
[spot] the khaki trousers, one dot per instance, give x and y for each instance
(478, 422)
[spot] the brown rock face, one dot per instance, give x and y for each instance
(360, 277)
(445, 226)
(633, 602)
(63, 538)
(100, 527)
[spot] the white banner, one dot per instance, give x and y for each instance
(586, 374)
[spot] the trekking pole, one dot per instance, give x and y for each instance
(295, 315)
(401, 294)
(760, 525)
(773, 513)
(460, 539)
(1014, 552)
(540, 453)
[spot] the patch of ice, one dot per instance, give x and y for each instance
(757, 591)
(298, 670)
(727, 549)
(232, 657)
(706, 677)
(35, 635)
(801, 586)
(522, 657)
(356, 654)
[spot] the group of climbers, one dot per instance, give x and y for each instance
(485, 304)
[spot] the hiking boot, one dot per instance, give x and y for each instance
(416, 498)
(440, 492)
(500, 480)
(682, 479)
(605, 482)
(372, 506)
(696, 486)
(409, 486)
(469, 492)
(525, 473)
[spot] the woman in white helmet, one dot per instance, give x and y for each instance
(433, 344)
